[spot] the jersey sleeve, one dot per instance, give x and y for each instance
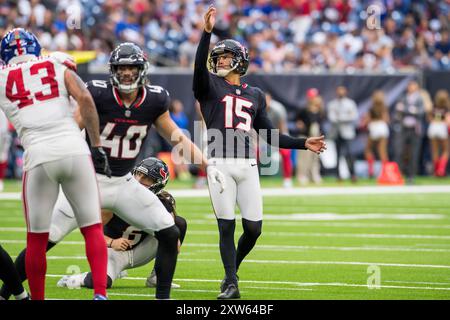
(64, 59)
(201, 82)
(163, 101)
(272, 136)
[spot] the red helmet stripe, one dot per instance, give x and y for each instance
(19, 47)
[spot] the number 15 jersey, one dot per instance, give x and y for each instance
(34, 97)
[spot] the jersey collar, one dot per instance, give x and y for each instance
(242, 85)
(136, 104)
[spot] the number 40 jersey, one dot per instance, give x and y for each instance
(34, 97)
(124, 129)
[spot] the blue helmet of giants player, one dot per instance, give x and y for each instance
(155, 169)
(128, 54)
(19, 42)
(239, 61)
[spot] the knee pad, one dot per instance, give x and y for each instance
(226, 226)
(181, 223)
(252, 228)
(169, 235)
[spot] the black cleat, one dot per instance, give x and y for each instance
(231, 292)
(224, 284)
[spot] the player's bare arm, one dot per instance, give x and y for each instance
(88, 112)
(210, 19)
(316, 144)
(168, 129)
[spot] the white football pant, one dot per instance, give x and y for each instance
(41, 186)
(242, 187)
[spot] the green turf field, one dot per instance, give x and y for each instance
(312, 247)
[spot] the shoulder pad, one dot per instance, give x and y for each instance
(65, 59)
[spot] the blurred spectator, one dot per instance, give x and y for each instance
(177, 114)
(309, 123)
(278, 116)
(281, 35)
(343, 113)
(409, 112)
(377, 120)
(438, 132)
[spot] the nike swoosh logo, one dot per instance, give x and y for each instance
(253, 165)
(129, 178)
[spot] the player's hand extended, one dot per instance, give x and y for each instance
(216, 176)
(100, 160)
(120, 244)
(210, 18)
(316, 144)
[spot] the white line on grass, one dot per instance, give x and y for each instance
(400, 265)
(281, 192)
(304, 234)
(300, 284)
(417, 282)
(291, 283)
(337, 235)
(283, 222)
(264, 247)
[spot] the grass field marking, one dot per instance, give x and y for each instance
(331, 216)
(337, 235)
(417, 282)
(316, 191)
(283, 222)
(400, 265)
(292, 283)
(266, 247)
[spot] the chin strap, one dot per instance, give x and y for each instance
(224, 72)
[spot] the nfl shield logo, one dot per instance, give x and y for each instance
(127, 113)
(238, 91)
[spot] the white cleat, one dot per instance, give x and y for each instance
(62, 283)
(71, 281)
(151, 282)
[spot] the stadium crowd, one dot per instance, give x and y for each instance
(282, 35)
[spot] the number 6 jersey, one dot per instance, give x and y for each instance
(124, 129)
(34, 97)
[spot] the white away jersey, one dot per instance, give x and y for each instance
(34, 97)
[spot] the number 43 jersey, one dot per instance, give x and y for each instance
(124, 129)
(34, 97)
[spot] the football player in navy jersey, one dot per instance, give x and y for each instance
(9, 275)
(233, 112)
(129, 247)
(127, 107)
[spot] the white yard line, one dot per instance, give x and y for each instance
(337, 235)
(319, 191)
(291, 283)
(381, 264)
(304, 234)
(211, 220)
(264, 247)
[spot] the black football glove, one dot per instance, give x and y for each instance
(100, 160)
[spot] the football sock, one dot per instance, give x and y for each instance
(228, 248)
(20, 267)
(9, 275)
(36, 263)
(252, 230)
(88, 283)
(166, 260)
(97, 256)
